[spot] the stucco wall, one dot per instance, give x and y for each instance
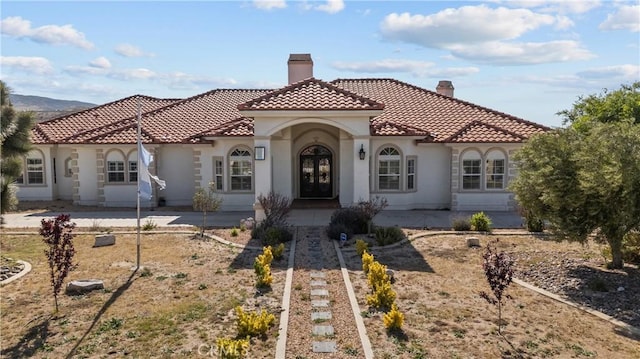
(174, 164)
(64, 185)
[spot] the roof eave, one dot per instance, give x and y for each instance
(310, 113)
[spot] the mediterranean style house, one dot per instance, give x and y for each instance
(348, 139)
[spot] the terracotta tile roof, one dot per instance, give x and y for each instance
(311, 95)
(58, 130)
(477, 131)
(407, 110)
(435, 114)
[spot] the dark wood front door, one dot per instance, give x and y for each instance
(316, 172)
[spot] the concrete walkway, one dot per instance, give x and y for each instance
(300, 217)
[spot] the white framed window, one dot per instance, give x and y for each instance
(471, 170)
(115, 167)
(495, 170)
(33, 171)
(132, 167)
(411, 173)
(241, 170)
(218, 173)
(389, 169)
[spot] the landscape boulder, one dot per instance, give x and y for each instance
(473, 242)
(105, 240)
(84, 286)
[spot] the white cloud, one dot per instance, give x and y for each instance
(181, 80)
(465, 25)
(556, 6)
(84, 70)
(485, 35)
(625, 73)
(502, 53)
(417, 68)
(128, 50)
(34, 65)
(331, 7)
(269, 4)
(48, 34)
(626, 18)
(101, 63)
(133, 74)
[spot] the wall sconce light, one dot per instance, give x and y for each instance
(361, 152)
(259, 153)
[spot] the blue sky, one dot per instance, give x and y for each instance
(528, 58)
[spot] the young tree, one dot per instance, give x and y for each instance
(15, 131)
(57, 235)
(205, 200)
(498, 268)
(583, 182)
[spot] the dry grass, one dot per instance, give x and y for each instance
(177, 306)
(438, 282)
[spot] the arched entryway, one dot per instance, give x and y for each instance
(316, 172)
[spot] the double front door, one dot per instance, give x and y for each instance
(316, 172)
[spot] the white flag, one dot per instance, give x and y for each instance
(144, 177)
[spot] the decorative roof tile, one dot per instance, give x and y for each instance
(311, 95)
(407, 110)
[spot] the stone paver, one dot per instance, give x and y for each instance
(325, 330)
(320, 303)
(324, 347)
(318, 283)
(320, 292)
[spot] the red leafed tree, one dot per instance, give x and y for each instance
(57, 235)
(498, 268)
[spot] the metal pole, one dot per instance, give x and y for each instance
(138, 181)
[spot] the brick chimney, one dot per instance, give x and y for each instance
(445, 88)
(300, 67)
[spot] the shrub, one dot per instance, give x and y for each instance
(335, 229)
(57, 235)
(271, 235)
(232, 348)
(262, 268)
(382, 296)
(276, 208)
(394, 319)
(352, 218)
(149, 225)
(361, 246)
(498, 268)
(480, 222)
(631, 247)
(389, 235)
(367, 260)
(206, 200)
(531, 222)
(461, 224)
(371, 208)
(234, 232)
(278, 251)
(253, 324)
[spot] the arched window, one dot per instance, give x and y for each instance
(132, 166)
(471, 170)
(115, 167)
(68, 169)
(241, 169)
(389, 160)
(495, 170)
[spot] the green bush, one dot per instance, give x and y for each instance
(480, 222)
(631, 247)
(389, 235)
(352, 218)
(271, 235)
(461, 224)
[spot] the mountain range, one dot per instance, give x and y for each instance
(46, 108)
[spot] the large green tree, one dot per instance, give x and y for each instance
(585, 179)
(15, 137)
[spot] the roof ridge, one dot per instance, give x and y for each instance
(482, 108)
(105, 105)
(328, 85)
(122, 128)
(97, 129)
(482, 123)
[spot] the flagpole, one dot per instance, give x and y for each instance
(138, 181)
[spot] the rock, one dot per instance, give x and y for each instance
(248, 223)
(391, 275)
(105, 240)
(473, 242)
(84, 286)
(620, 289)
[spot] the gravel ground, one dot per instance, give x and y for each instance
(584, 281)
